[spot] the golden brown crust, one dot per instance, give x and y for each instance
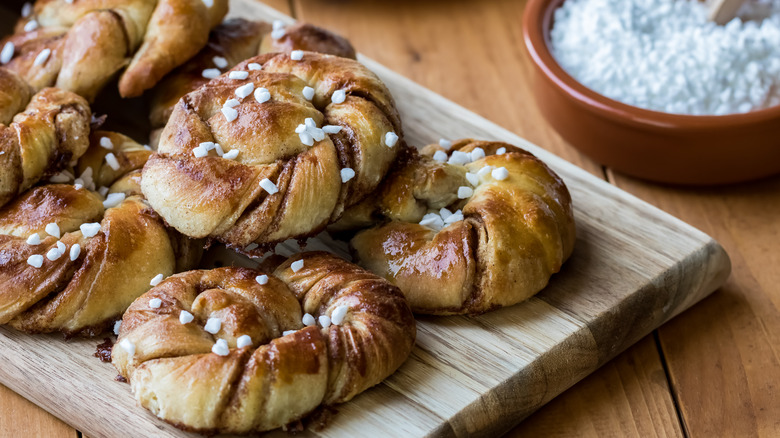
(223, 198)
(309, 38)
(91, 40)
(236, 40)
(52, 131)
(280, 377)
(15, 94)
(84, 290)
(515, 233)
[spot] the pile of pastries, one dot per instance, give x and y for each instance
(263, 132)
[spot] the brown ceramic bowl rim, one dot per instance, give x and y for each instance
(537, 21)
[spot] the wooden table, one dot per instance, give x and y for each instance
(713, 371)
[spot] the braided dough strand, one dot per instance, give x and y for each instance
(280, 377)
(82, 292)
(90, 40)
(515, 233)
(50, 132)
(233, 41)
(210, 196)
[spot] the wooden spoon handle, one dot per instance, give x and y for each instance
(723, 11)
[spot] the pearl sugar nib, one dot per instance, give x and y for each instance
(220, 62)
(213, 325)
(339, 96)
(220, 348)
(186, 317)
(391, 138)
(440, 156)
(7, 53)
(53, 230)
(296, 265)
(339, 314)
(42, 57)
(36, 260)
(90, 229)
(244, 341)
(211, 73)
(75, 251)
(262, 95)
(347, 174)
(156, 280)
(269, 186)
(500, 173)
(465, 192)
(245, 90)
(112, 161)
(308, 93)
(230, 113)
(238, 75)
(113, 199)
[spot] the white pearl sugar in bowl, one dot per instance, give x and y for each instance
(664, 55)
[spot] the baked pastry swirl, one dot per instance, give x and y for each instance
(72, 260)
(466, 230)
(233, 350)
(79, 45)
(40, 133)
(233, 41)
(275, 149)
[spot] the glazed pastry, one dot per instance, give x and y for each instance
(40, 134)
(79, 45)
(274, 150)
(307, 37)
(73, 260)
(233, 350)
(232, 42)
(466, 230)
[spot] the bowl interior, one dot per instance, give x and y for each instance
(540, 24)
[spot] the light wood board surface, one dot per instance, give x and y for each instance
(634, 267)
(723, 355)
(471, 51)
(521, 119)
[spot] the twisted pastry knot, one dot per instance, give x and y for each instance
(72, 260)
(40, 134)
(276, 149)
(78, 46)
(232, 42)
(468, 230)
(271, 364)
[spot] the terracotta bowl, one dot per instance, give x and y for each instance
(657, 146)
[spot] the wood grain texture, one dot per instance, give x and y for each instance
(627, 397)
(22, 418)
(723, 355)
(634, 267)
(471, 52)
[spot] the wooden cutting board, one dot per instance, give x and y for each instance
(633, 268)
